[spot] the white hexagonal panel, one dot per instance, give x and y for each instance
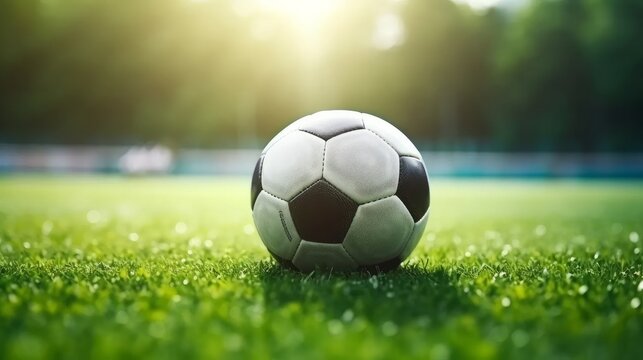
(294, 126)
(329, 123)
(379, 231)
(311, 255)
(361, 165)
(392, 135)
(416, 235)
(291, 164)
(275, 226)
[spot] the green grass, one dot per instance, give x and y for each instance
(168, 268)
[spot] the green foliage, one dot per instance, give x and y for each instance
(168, 268)
(559, 75)
(566, 77)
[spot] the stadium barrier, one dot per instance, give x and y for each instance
(156, 159)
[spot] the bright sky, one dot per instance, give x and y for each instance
(308, 15)
(389, 29)
(479, 4)
(308, 7)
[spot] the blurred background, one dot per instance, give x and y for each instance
(483, 87)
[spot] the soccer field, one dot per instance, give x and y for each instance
(108, 267)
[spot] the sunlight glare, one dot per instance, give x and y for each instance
(478, 5)
(307, 15)
(389, 32)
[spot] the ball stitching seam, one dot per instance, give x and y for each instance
(312, 133)
(265, 151)
(389, 144)
(273, 195)
(382, 198)
(324, 158)
(349, 255)
(296, 251)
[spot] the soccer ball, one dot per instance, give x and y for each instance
(340, 189)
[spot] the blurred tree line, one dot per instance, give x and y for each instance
(557, 75)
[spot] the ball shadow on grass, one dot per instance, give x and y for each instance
(411, 293)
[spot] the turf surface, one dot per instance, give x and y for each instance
(169, 268)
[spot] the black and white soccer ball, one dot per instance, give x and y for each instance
(340, 189)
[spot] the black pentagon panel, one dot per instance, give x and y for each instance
(255, 186)
(413, 187)
(384, 266)
(327, 127)
(322, 213)
(283, 262)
